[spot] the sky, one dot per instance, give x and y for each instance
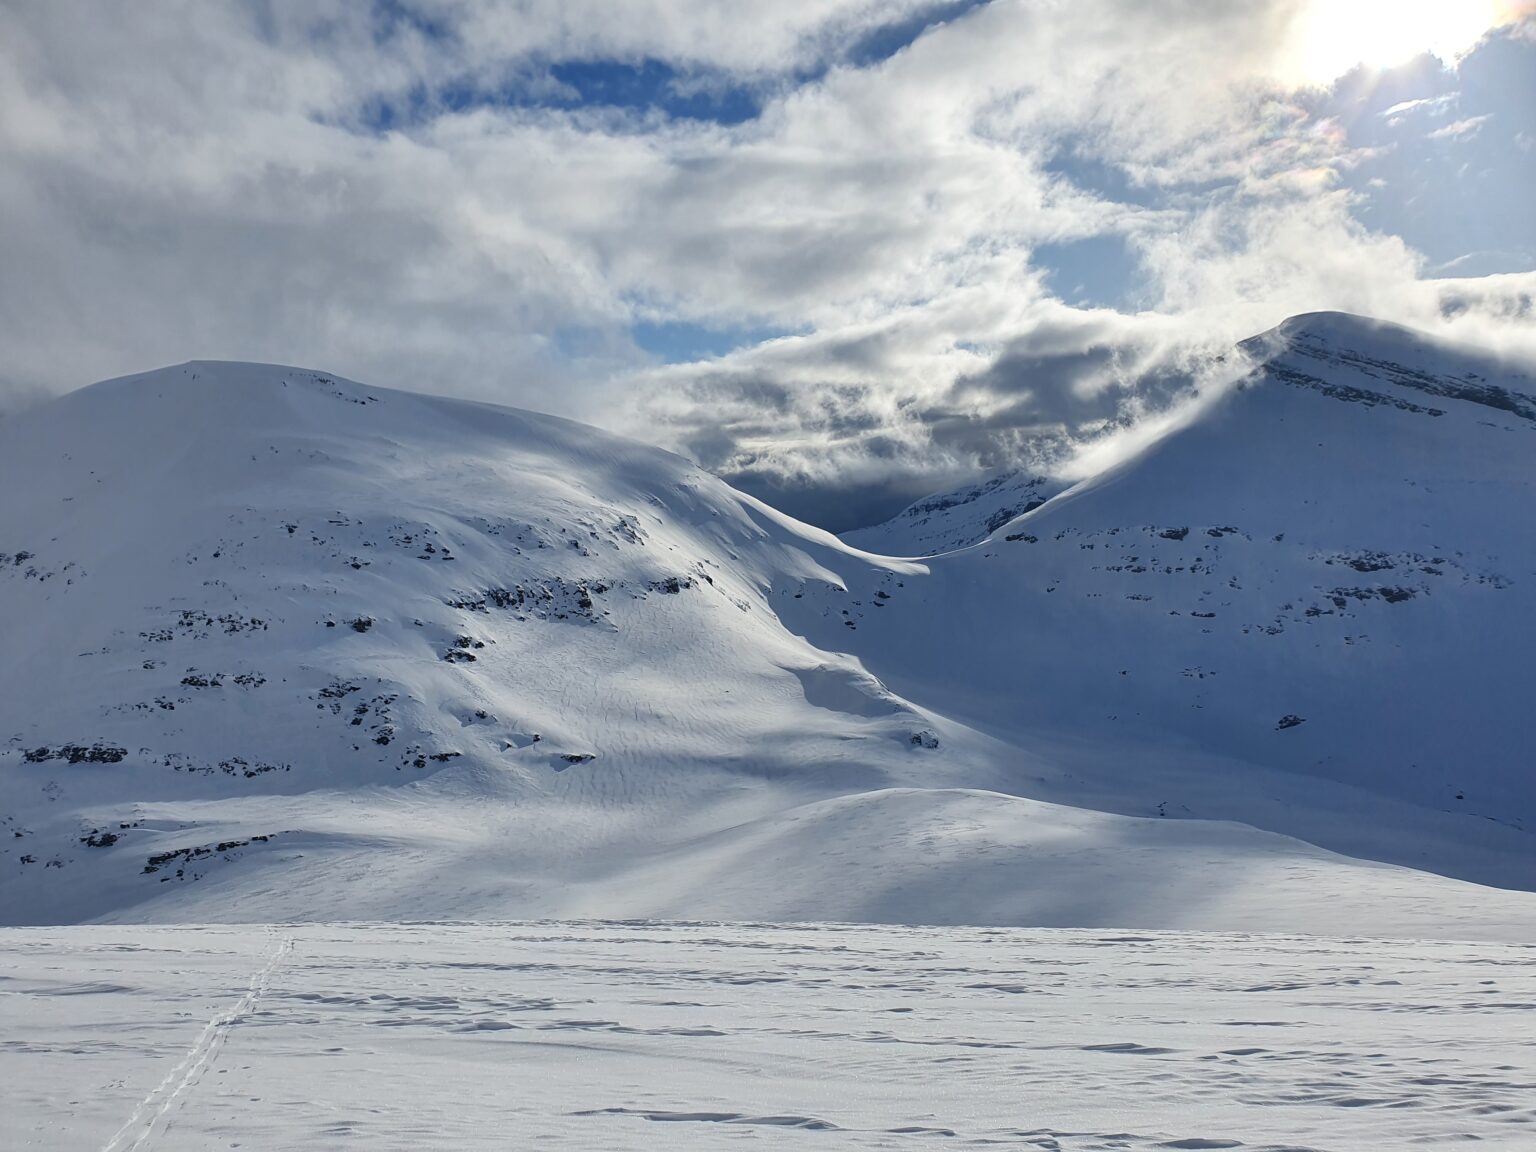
(842, 252)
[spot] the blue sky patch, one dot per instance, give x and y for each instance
(654, 85)
(1095, 272)
(1437, 140)
(885, 41)
(643, 88)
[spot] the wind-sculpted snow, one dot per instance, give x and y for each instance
(654, 1035)
(280, 646)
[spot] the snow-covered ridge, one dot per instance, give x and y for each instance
(280, 645)
(958, 518)
(1308, 351)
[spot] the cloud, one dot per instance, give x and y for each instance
(872, 210)
(1460, 128)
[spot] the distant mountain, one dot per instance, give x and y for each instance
(955, 519)
(282, 646)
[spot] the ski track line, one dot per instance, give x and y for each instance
(180, 1079)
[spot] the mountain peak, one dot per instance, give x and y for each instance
(1381, 364)
(1339, 330)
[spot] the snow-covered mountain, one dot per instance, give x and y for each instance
(1326, 573)
(279, 646)
(956, 518)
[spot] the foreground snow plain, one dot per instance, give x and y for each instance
(615, 1035)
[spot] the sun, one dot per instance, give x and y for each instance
(1333, 36)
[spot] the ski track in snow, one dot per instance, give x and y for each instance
(180, 1080)
(620, 1035)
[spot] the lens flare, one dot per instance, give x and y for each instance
(1330, 37)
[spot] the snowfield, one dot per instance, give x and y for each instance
(280, 646)
(609, 1036)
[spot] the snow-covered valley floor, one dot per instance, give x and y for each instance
(610, 1035)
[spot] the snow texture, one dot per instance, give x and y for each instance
(604, 1036)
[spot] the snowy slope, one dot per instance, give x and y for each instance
(1309, 609)
(957, 518)
(282, 646)
(375, 626)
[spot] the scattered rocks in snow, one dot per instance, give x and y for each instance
(1471, 388)
(550, 599)
(1368, 562)
(672, 585)
(198, 625)
(232, 766)
(460, 652)
(239, 766)
(183, 856)
(1392, 595)
(1347, 393)
(418, 759)
(77, 754)
(337, 689)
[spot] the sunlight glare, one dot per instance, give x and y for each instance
(1333, 36)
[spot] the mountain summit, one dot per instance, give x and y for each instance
(280, 645)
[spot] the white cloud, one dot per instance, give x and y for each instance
(1460, 128)
(204, 179)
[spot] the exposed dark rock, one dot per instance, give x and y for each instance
(187, 855)
(239, 766)
(77, 754)
(1003, 515)
(672, 585)
(1346, 393)
(1342, 596)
